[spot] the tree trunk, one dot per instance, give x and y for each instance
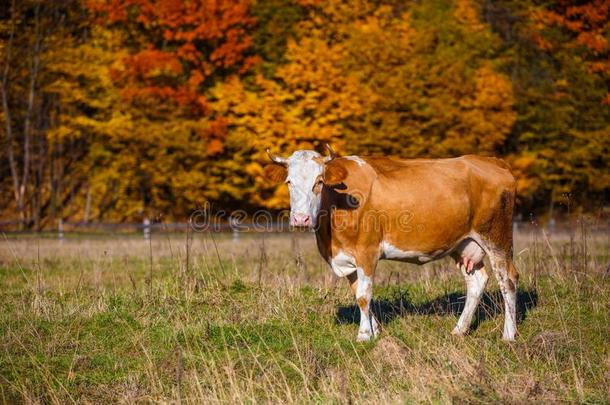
(27, 128)
(87, 205)
(7, 114)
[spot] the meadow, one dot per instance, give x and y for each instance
(201, 318)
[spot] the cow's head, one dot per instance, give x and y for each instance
(305, 172)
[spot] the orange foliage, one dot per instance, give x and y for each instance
(161, 106)
(181, 44)
(587, 24)
(215, 132)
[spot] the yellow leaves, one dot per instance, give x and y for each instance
(395, 78)
(60, 133)
(422, 97)
(523, 167)
(279, 199)
(494, 91)
(494, 100)
(254, 169)
(357, 75)
(485, 113)
(467, 13)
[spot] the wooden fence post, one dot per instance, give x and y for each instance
(146, 228)
(60, 229)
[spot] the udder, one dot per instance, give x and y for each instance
(469, 254)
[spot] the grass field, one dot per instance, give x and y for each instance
(101, 319)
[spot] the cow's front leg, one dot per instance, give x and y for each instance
(362, 287)
(360, 276)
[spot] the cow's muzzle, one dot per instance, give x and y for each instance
(300, 220)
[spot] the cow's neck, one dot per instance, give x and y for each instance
(323, 225)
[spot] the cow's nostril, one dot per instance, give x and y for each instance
(300, 220)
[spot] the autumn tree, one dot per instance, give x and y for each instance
(425, 93)
(93, 114)
(171, 145)
(114, 110)
(438, 92)
(303, 107)
(583, 28)
(560, 143)
(32, 33)
(179, 48)
(359, 75)
(276, 24)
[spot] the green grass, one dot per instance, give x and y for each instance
(83, 321)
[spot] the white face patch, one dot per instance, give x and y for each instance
(303, 172)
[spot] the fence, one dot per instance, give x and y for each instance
(147, 227)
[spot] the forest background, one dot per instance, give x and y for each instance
(119, 110)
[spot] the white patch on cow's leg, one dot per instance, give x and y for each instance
(343, 264)
(509, 292)
(364, 293)
(475, 285)
(508, 288)
(510, 309)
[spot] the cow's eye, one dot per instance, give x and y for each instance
(288, 182)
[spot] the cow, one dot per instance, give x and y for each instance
(364, 209)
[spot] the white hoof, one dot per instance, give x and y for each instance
(364, 337)
(458, 332)
(508, 334)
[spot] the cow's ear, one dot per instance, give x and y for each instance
(334, 174)
(275, 173)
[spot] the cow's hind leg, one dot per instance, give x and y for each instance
(507, 277)
(497, 237)
(476, 280)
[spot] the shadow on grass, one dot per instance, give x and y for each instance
(491, 305)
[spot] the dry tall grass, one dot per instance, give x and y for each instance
(201, 318)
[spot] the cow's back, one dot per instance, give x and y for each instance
(426, 203)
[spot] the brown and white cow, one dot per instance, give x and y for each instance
(365, 209)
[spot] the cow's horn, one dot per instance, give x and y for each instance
(331, 152)
(277, 159)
